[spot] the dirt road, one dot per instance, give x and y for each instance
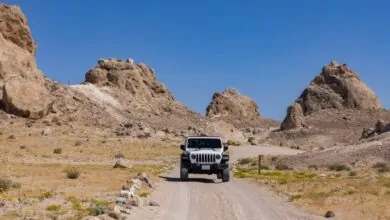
(203, 197)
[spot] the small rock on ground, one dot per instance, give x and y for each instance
(329, 214)
(115, 215)
(121, 163)
(90, 218)
(153, 203)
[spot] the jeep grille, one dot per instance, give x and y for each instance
(205, 158)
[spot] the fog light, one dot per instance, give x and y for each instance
(218, 156)
(193, 156)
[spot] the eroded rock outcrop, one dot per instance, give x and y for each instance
(137, 79)
(336, 87)
(295, 117)
(230, 103)
(14, 27)
(17, 47)
(24, 93)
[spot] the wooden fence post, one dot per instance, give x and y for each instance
(259, 165)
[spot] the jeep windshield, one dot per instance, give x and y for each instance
(203, 143)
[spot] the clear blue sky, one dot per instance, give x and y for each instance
(269, 50)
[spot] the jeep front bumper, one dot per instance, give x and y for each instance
(197, 168)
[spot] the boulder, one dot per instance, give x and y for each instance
(153, 203)
(90, 218)
(125, 194)
(115, 215)
(26, 99)
(146, 179)
(252, 141)
(122, 163)
(329, 214)
(135, 201)
(46, 131)
(381, 126)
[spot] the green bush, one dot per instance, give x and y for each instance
(53, 207)
(99, 208)
(46, 195)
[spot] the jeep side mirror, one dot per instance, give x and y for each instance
(225, 147)
(182, 147)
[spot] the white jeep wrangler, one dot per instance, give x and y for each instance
(204, 155)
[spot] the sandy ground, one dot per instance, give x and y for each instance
(204, 197)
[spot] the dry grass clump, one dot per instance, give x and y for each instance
(72, 173)
(57, 151)
(381, 167)
(7, 184)
(338, 167)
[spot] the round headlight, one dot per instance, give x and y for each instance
(193, 156)
(218, 156)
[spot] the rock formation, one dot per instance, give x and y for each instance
(380, 128)
(230, 103)
(15, 29)
(136, 79)
(17, 64)
(18, 48)
(295, 117)
(337, 87)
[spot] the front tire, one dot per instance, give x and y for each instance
(225, 175)
(183, 173)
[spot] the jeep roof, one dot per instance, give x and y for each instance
(203, 136)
